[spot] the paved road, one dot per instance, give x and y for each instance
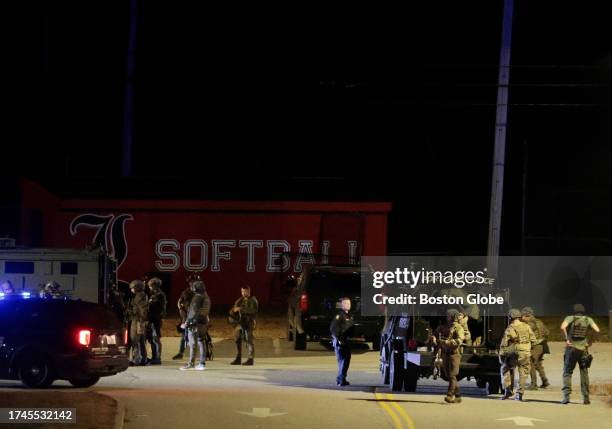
(296, 389)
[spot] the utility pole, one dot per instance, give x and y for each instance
(501, 117)
(128, 108)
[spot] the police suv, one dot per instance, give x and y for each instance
(43, 340)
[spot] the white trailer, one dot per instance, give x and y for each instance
(81, 273)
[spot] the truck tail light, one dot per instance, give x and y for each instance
(304, 303)
(125, 337)
(412, 345)
(84, 337)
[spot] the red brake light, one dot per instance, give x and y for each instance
(84, 337)
(303, 303)
(412, 345)
(125, 337)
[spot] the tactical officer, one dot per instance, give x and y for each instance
(51, 290)
(157, 312)
(183, 305)
(339, 329)
(196, 325)
(138, 313)
(515, 352)
(116, 302)
(537, 352)
(463, 321)
(7, 288)
(577, 351)
(245, 310)
(450, 337)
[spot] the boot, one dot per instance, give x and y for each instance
(236, 361)
(457, 399)
(533, 386)
(449, 399)
(586, 400)
(249, 361)
(507, 394)
(177, 356)
(565, 399)
(518, 397)
(545, 384)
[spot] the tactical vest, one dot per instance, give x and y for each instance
(535, 327)
(578, 330)
(522, 332)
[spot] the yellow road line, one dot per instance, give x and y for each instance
(402, 412)
(387, 408)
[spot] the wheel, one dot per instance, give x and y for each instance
(493, 386)
(35, 371)
(376, 343)
(411, 377)
(386, 374)
(396, 371)
(84, 382)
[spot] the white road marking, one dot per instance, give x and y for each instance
(260, 412)
(523, 421)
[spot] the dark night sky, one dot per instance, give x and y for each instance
(320, 90)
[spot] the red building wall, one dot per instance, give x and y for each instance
(233, 243)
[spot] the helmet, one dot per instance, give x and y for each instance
(51, 286)
(155, 283)
(453, 313)
(137, 285)
(579, 308)
(198, 286)
(527, 311)
(514, 313)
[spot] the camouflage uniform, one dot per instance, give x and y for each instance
(515, 352)
(577, 353)
(157, 312)
(138, 313)
(541, 333)
(450, 338)
(245, 327)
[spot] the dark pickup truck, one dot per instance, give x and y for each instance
(406, 355)
(315, 301)
(43, 340)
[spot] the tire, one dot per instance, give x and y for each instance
(396, 371)
(35, 370)
(84, 382)
(386, 374)
(493, 386)
(411, 377)
(376, 343)
(299, 339)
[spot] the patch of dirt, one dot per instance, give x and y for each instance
(93, 410)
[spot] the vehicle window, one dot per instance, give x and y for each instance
(19, 267)
(342, 284)
(69, 268)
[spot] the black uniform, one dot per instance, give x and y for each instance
(339, 328)
(197, 325)
(157, 311)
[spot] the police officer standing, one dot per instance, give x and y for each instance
(138, 309)
(450, 337)
(577, 351)
(537, 352)
(245, 310)
(196, 324)
(339, 329)
(157, 312)
(515, 351)
(463, 321)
